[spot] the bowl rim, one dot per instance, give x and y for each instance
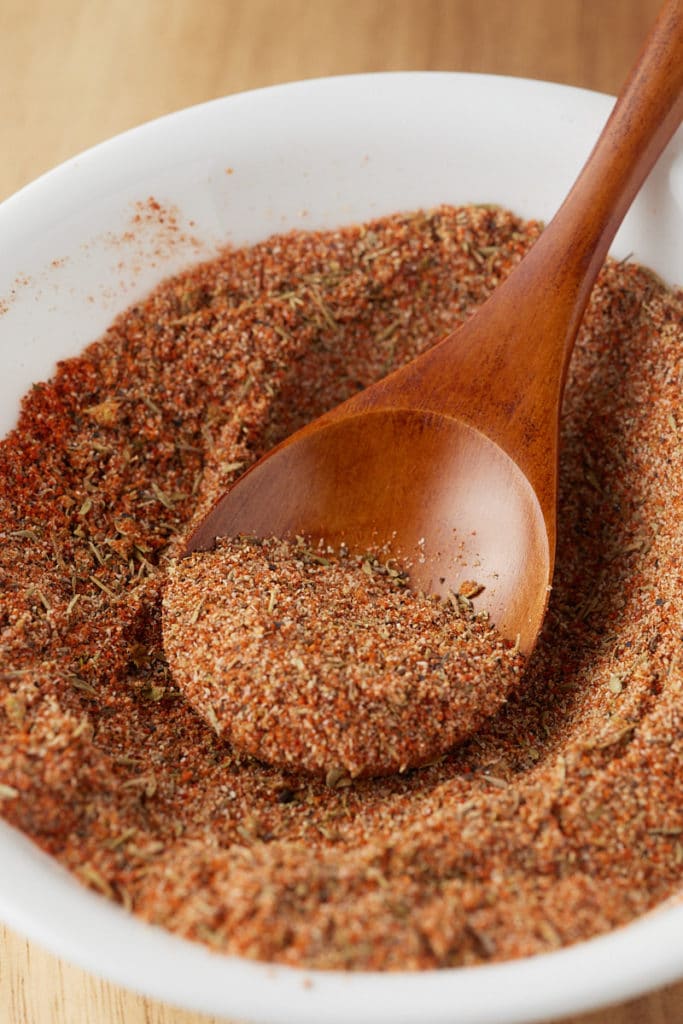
(624, 963)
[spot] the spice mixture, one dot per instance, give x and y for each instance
(330, 664)
(562, 817)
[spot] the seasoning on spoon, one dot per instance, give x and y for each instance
(330, 663)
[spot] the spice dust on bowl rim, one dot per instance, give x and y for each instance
(95, 235)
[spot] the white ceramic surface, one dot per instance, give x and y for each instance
(312, 154)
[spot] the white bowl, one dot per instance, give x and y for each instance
(312, 154)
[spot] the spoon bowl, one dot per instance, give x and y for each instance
(449, 505)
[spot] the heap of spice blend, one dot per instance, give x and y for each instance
(329, 663)
(561, 818)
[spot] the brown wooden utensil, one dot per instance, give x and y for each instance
(451, 463)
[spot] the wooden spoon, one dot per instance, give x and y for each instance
(451, 463)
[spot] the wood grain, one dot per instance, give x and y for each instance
(75, 72)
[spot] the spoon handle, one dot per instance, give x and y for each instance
(643, 120)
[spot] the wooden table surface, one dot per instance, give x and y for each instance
(75, 72)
